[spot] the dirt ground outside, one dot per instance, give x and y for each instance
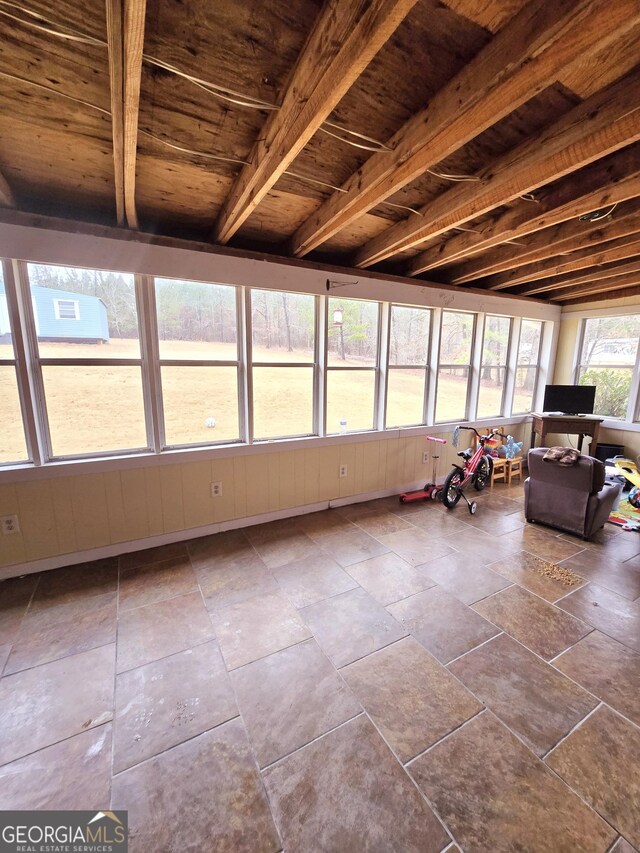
(100, 408)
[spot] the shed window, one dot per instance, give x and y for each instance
(66, 309)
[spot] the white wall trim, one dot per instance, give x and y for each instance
(114, 550)
(75, 467)
(208, 263)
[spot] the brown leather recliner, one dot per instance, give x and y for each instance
(573, 498)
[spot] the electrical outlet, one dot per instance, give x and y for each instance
(216, 489)
(343, 471)
(425, 457)
(9, 524)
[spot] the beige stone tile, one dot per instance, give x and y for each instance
(607, 669)
(169, 701)
(526, 570)
(607, 572)
(416, 546)
(445, 627)
(497, 797)
(15, 595)
(389, 578)
(600, 761)
(352, 546)
(608, 612)
(538, 625)
(351, 625)
(411, 697)
(465, 576)
(290, 698)
(258, 627)
(313, 579)
(329, 796)
(154, 582)
(529, 696)
(171, 806)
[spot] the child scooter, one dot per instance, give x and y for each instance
(431, 491)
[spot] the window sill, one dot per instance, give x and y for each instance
(74, 467)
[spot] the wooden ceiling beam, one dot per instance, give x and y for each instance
(570, 236)
(7, 199)
(609, 181)
(115, 47)
(342, 43)
(598, 126)
(621, 292)
(133, 38)
(615, 285)
(524, 58)
(614, 250)
(568, 281)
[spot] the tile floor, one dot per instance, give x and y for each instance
(377, 677)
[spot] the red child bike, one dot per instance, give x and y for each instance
(477, 469)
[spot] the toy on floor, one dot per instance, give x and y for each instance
(477, 470)
(511, 448)
(431, 490)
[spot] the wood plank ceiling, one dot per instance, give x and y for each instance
(492, 144)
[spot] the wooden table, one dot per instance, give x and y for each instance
(544, 425)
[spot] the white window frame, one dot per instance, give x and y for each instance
(313, 365)
(378, 367)
(632, 414)
(517, 335)
(472, 366)
(424, 367)
(30, 384)
(156, 363)
(76, 309)
(506, 366)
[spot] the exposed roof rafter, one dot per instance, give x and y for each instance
(524, 58)
(342, 43)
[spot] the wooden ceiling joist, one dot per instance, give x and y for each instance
(115, 48)
(615, 285)
(7, 198)
(342, 43)
(125, 39)
(618, 293)
(522, 60)
(600, 185)
(573, 235)
(598, 126)
(567, 281)
(612, 250)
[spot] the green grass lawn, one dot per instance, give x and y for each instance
(100, 408)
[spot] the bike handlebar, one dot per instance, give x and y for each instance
(485, 437)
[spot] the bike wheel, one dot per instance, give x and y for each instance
(483, 473)
(451, 488)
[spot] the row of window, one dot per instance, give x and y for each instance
(609, 355)
(95, 362)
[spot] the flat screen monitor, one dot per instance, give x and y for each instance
(570, 399)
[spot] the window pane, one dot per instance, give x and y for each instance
(200, 404)
(524, 388)
(282, 326)
(495, 346)
(352, 332)
(83, 313)
(405, 397)
(94, 409)
(350, 395)
(451, 403)
(196, 320)
(456, 338)
(409, 338)
(491, 391)
(611, 340)
(613, 386)
(529, 346)
(12, 443)
(282, 401)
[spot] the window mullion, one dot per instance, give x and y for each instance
(382, 366)
(319, 365)
(151, 380)
(512, 366)
(248, 361)
(475, 366)
(37, 425)
(432, 368)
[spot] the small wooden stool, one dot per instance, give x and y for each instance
(500, 471)
(514, 469)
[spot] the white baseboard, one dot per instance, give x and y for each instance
(72, 559)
